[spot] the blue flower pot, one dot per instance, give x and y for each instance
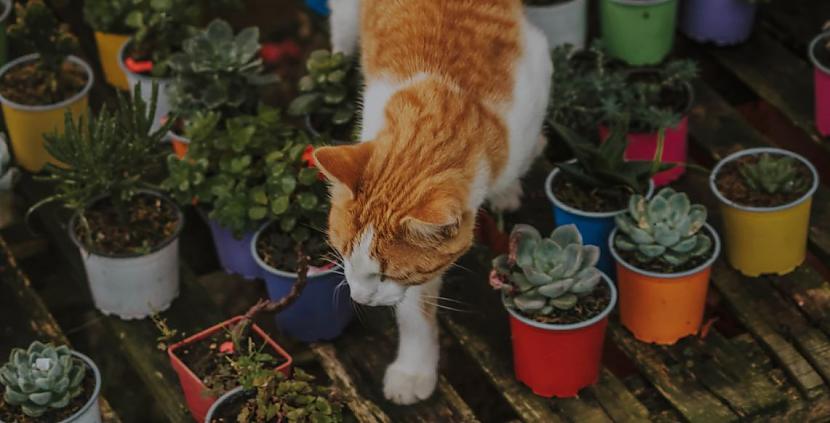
(595, 227)
(319, 7)
(320, 313)
(234, 254)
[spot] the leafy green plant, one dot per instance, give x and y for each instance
(296, 399)
(218, 71)
(41, 378)
(665, 228)
(541, 276)
(773, 175)
(160, 27)
(108, 15)
(250, 169)
(329, 91)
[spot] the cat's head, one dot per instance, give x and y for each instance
(394, 226)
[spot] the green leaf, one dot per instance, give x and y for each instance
(279, 205)
(305, 104)
(307, 200)
(308, 175)
(257, 213)
(288, 183)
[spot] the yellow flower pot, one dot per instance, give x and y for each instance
(765, 240)
(109, 46)
(26, 125)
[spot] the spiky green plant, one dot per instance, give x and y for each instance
(41, 378)
(773, 175)
(542, 275)
(329, 91)
(218, 71)
(665, 228)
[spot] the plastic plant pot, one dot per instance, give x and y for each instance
(639, 32)
(594, 226)
(109, 46)
(180, 144)
(195, 392)
(320, 7)
(765, 240)
(234, 254)
(133, 286)
(91, 411)
(722, 22)
(559, 360)
(643, 146)
(662, 308)
(323, 309)
(821, 78)
(4, 21)
(562, 23)
(26, 125)
(233, 393)
(146, 82)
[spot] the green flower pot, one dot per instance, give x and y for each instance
(639, 32)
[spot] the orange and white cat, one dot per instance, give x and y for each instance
(455, 97)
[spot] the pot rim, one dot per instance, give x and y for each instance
(138, 76)
(572, 326)
(90, 80)
(555, 6)
(760, 150)
(698, 269)
(281, 273)
(161, 246)
(811, 52)
(8, 4)
(96, 391)
(225, 397)
(641, 3)
(552, 198)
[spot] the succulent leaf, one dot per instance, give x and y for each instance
(565, 302)
(556, 289)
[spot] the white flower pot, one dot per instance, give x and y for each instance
(133, 286)
(91, 411)
(562, 23)
(146, 82)
(232, 394)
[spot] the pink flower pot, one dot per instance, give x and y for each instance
(821, 76)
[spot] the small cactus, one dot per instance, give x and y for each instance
(543, 275)
(42, 377)
(664, 228)
(773, 175)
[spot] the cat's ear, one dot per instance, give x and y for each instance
(437, 218)
(344, 164)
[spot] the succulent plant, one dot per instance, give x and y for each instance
(160, 27)
(108, 15)
(543, 275)
(773, 175)
(329, 90)
(218, 71)
(41, 378)
(665, 228)
(295, 399)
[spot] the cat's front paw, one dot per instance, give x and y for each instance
(405, 387)
(508, 199)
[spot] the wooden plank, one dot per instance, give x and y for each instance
(581, 409)
(620, 404)
(810, 291)
(795, 22)
(692, 400)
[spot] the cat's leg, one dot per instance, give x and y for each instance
(345, 25)
(414, 373)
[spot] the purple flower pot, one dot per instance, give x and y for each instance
(722, 22)
(234, 254)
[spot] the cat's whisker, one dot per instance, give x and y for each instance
(445, 307)
(440, 298)
(466, 269)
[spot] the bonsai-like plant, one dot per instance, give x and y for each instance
(108, 15)
(41, 378)
(542, 276)
(773, 175)
(160, 27)
(50, 79)
(665, 228)
(217, 71)
(329, 92)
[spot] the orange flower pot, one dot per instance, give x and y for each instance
(663, 308)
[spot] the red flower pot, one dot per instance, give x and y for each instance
(194, 390)
(643, 146)
(559, 360)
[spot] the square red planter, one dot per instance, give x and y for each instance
(193, 388)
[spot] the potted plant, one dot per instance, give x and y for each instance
(126, 231)
(108, 19)
(203, 362)
(216, 71)
(267, 396)
(664, 251)
(45, 383)
(5, 12)
(37, 89)
(657, 102)
(765, 198)
(300, 211)
(559, 304)
(329, 96)
(159, 28)
(8, 175)
(590, 190)
(562, 21)
(639, 32)
(722, 22)
(819, 52)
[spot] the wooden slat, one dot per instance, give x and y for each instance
(794, 22)
(692, 400)
(810, 291)
(620, 404)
